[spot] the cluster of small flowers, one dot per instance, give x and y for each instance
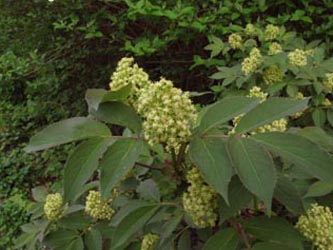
(277, 125)
(274, 48)
(250, 30)
(317, 226)
(328, 82)
(235, 41)
(53, 207)
(326, 102)
(272, 75)
(310, 52)
(200, 200)
(98, 208)
(149, 241)
(298, 57)
(251, 63)
(299, 96)
(271, 32)
(128, 73)
(255, 91)
(168, 114)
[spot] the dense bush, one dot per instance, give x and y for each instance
(224, 184)
(284, 65)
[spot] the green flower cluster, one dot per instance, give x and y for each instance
(310, 52)
(149, 241)
(167, 111)
(328, 82)
(53, 207)
(298, 57)
(272, 75)
(128, 73)
(317, 226)
(250, 30)
(255, 91)
(277, 125)
(274, 48)
(326, 102)
(98, 208)
(271, 32)
(200, 200)
(251, 63)
(168, 114)
(235, 41)
(299, 96)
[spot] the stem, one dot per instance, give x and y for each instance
(181, 231)
(147, 166)
(170, 204)
(240, 230)
(174, 159)
(215, 136)
(181, 154)
(255, 203)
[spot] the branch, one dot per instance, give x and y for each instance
(240, 230)
(147, 166)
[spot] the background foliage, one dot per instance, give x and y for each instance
(50, 52)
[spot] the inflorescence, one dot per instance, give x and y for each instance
(200, 200)
(149, 241)
(98, 208)
(317, 226)
(167, 111)
(53, 207)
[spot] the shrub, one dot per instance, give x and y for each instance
(282, 64)
(233, 184)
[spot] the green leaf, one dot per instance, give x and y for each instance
(93, 240)
(255, 167)
(24, 239)
(238, 196)
(225, 239)
(81, 164)
(319, 117)
(60, 238)
(119, 114)
(148, 190)
(75, 221)
(275, 230)
(319, 188)
(39, 193)
(273, 109)
(184, 242)
(286, 193)
(211, 157)
(128, 208)
(94, 97)
(131, 224)
(117, 161)
(73, 129)
(318, 136)
(330, 116)
(76, 244)
(271, 246)
(171, 225)
(224, 110)
(299, 151)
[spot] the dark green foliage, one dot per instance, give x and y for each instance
(13, 214)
